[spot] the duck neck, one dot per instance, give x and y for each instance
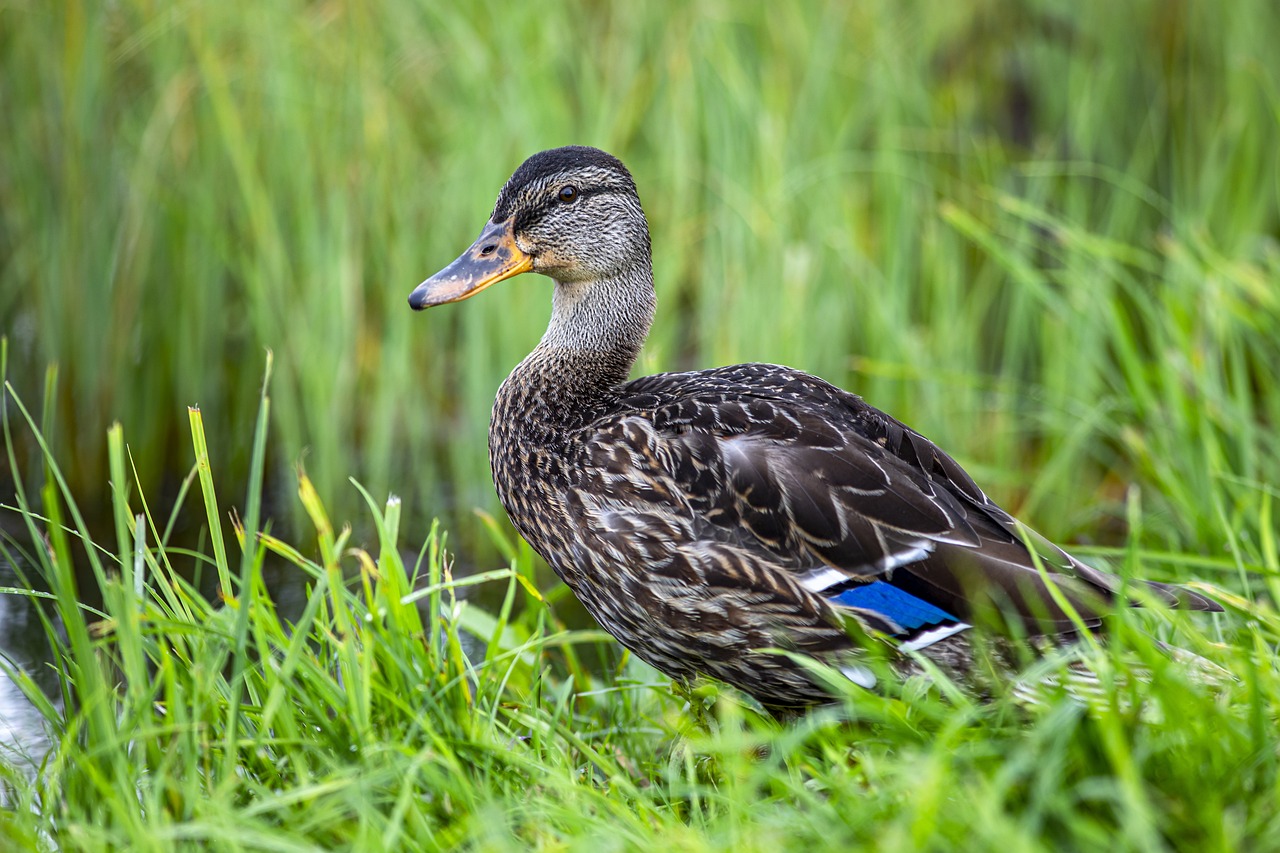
(595, 334)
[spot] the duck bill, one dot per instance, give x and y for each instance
(492, 257)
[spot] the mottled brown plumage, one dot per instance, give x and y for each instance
(708, 519)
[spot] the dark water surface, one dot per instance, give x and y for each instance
(23, 645)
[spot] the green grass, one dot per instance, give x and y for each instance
(1045, 234)
(392, 713)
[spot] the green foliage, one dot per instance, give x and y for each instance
(1046, 234)
(392, 713)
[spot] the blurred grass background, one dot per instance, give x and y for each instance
(1046, 234)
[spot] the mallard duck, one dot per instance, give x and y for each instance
(710, 519)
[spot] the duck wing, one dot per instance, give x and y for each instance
(790, 486)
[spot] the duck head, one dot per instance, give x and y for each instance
(569, 213)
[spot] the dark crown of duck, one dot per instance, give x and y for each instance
(710, 519)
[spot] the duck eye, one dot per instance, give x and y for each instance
(568, 193)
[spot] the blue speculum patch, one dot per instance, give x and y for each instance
(902, 607)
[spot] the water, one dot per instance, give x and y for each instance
(23, 737)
